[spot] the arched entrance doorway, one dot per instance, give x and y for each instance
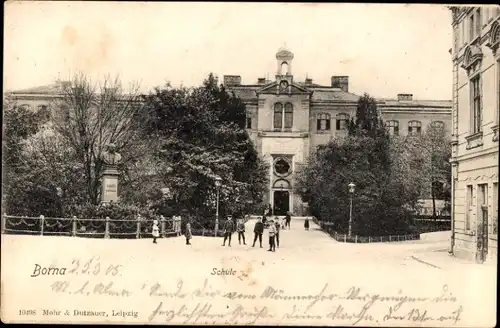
(281, 197)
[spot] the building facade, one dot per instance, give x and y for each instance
(288, 119)
(476, 107)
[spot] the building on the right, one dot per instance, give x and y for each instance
(475, 115)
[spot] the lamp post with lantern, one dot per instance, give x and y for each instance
(351, 193)
(218, 183)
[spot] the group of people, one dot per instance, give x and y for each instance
(274, 227)
(155, 230)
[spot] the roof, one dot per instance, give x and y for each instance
(333, 94)
(244, 92)
(53, 88)
(415, 103)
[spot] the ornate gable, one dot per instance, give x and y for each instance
(274, 88)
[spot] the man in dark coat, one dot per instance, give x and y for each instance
(287, 220)
(258, 230)
(228, 230)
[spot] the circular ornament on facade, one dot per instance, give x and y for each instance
(283, 85)
(282, 167)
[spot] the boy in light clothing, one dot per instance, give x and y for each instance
(272, 233)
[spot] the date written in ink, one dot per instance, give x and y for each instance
(94, 267)
(27, 312)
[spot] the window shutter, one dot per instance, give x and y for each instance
(328, 124)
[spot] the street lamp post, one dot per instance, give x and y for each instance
(218, 182)
(351, 192)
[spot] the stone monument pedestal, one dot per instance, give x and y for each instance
(109, 192)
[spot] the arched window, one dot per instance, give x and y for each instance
(288, 116)
(342, 121)
(283, 116)
(437, 125)
(284, 68)
(392, 127)
(414, 127)
(323, 122)
(278, 116)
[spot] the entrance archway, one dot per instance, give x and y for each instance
(281, 197)
(281, 202)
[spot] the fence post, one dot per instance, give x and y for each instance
(162, 219)
(42, 223)
(203, 231)
(73, 227)
(106, 228)
(390, 238)
(369, 239)
(356, 239)
(4, 222)
(138, 231)
(345, 238)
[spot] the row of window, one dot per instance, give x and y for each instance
(283, 117)
(470, 28)
(414, 127)
(481, 207)
(28, 107)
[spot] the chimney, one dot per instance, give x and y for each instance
(341, 82)
(309, 81)
(405, 97)
(232, 80)
(261, 81)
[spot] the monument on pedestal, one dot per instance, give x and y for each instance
(110, 175)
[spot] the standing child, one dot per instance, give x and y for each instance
(272, 233)
(258, 230)
(306, 223)
(187, 233)
(155, 231)
(241, 231)
(278, 228)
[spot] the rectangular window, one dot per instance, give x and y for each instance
(462, 34)
(476, 117)
(469, 206)
(472, 28)
(482, 205)
(497, 114)
(278, 119)
(323, 124)
(288, 120)
(479, 21)
(494, 219)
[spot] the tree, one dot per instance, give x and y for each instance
(384, 200)
(89, 116)
(19, 124)
(202, 135)
(438, 151)
(367, 121)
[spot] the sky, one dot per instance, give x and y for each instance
(385, 49)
